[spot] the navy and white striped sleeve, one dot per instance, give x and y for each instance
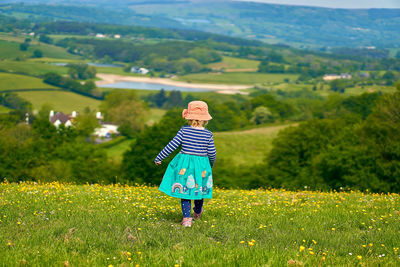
(168, 149)
(211, 152)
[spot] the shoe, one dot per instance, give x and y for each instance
(187, 222)
(197, 216)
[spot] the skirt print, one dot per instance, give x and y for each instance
(189, 177)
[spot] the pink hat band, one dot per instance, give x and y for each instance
(197, 110)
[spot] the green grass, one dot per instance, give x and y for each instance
(10, 50)
(249, 78)
(31, 67)
(155, 115)
(4, 109)
(247, 147)
(116, 152)
(15, 81)
(91, 225)
(232, 63)
(60, 100)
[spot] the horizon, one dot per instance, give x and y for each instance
(342, 4)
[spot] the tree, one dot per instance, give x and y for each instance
(175, 99)
(23, 46)
(262, 115)
(125, 109)
(45, 39)
(85, 124)
(160, 98)
(37, 53)
(81, 71)
(137, 163)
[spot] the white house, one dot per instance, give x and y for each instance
(330, 77)
(106, 130)
(60, 118)
(117, 36)
(139, 70)
(100, 35)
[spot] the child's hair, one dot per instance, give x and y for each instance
(197, 123)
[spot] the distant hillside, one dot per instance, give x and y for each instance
(295, 25)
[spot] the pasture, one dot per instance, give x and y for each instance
(60, 100)
(235, 64)
(33, 68)
(120, 225)
(250, 78)
(254, 143)
(10, 81)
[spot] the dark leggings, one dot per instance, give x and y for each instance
(186, 206)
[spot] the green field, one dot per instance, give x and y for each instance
(155, 114)
(10, 49)
(4, 109)
(31, 67)
(250, 78)
(15, 81)
(246, 147)
(116, 152)
(60, 100)
(92, 225)
(232, 63)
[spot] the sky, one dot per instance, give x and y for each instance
(336, 3)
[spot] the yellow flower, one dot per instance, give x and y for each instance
(129, 259)
(241, 242)
(364, 246)
(250, 243)
(311, 253)
(315, 242)
(370, 244)
(359, 257)
(301, 248)
(128, 254)
(333, 229)
(323, 258)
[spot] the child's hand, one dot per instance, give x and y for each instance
(157, 163)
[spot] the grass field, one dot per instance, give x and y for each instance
(10, 50)
(116, 152)
(4, 109)
(231, 63)
(15, 81)
(60, 100)
(250, 78)
(31, 67)
(91, 225)
(246, 147)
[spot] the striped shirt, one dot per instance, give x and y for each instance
(194, 141)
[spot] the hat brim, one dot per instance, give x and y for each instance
(203, 117)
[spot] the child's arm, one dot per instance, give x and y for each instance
(211, 152)
(168, 149)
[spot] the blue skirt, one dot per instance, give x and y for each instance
(189, 177)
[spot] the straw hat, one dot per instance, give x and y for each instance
(197, 110)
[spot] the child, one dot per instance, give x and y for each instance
(188, 175)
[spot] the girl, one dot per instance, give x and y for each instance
(188, 175)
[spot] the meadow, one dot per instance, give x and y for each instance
(10, 81)
(235, 64)
(249, 78)
(33, 68)
(254, 143)
(119, 225)
(60, 100)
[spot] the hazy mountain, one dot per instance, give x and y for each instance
(295, 25)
